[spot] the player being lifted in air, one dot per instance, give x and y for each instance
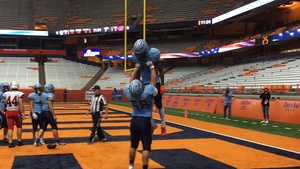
(141, 54)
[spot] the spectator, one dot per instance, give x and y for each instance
(227, 103)
(65, 95)
(115, 94)
(265, 102)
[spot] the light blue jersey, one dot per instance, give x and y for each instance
(228, 98)
(141, 106)
(2, 105)
(45, 97)
(152, 55)
(37, 102)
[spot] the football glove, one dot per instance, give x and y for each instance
(162, 89)
(150, 64)
(138, 66)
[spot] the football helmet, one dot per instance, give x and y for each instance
(49, 87)
(136, 88)
(14, 85)
(140, 47)
(4, 86)
(37, 88)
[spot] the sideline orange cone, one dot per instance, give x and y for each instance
(185, 114)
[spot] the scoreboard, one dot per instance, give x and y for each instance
(84, 31)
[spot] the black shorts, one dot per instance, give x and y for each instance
(47, 118)
(4, 121)
(140, 129)
(37, 122)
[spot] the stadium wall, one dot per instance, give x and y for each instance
(287, 111)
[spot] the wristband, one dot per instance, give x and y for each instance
(152, 67)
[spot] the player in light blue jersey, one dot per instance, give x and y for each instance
(48, 114)
(35, 105)
(4, 86)
(141, 97)
(141, 54)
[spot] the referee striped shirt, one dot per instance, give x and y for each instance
(97, 103)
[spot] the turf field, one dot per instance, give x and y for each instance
(190, 143)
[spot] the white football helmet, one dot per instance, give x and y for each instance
(14, 85)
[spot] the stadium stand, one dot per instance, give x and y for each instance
(59, 15)
(19, 69)
(69, 74)
(279, 74)
(50, 12)
(114, 77)
(16, 15)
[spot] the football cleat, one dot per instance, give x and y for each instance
(163, 132)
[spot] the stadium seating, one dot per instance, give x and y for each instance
(68, 74)
(114, 77)
(60, 15)
(19, 69)
(279, 75)
(16, 15)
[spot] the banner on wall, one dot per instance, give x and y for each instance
(89, 95)
(209, 105)
(248, 108)
(117, 96)
(285, 111)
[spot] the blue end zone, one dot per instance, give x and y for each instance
(46, 161)
(184, 159)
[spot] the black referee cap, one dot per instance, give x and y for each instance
(96, 87)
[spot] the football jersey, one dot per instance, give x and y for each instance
(37, 102)
(152, 55)
(97, 103)
(2, 104)
(46, 96)
(12, 99)
(141, 106)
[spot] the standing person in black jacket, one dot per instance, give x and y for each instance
(265, 102)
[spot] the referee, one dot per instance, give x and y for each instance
(97, 103)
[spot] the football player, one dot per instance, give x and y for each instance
(141, 97)
(35, 105)
(48, 115)
(141, 54)
(4, 86)
(14, 112)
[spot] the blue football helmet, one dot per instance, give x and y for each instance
(136, 88)
(5, 86)
(37, 88)
(49, 87)
(140, 47)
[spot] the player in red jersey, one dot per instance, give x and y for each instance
(14, 112)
